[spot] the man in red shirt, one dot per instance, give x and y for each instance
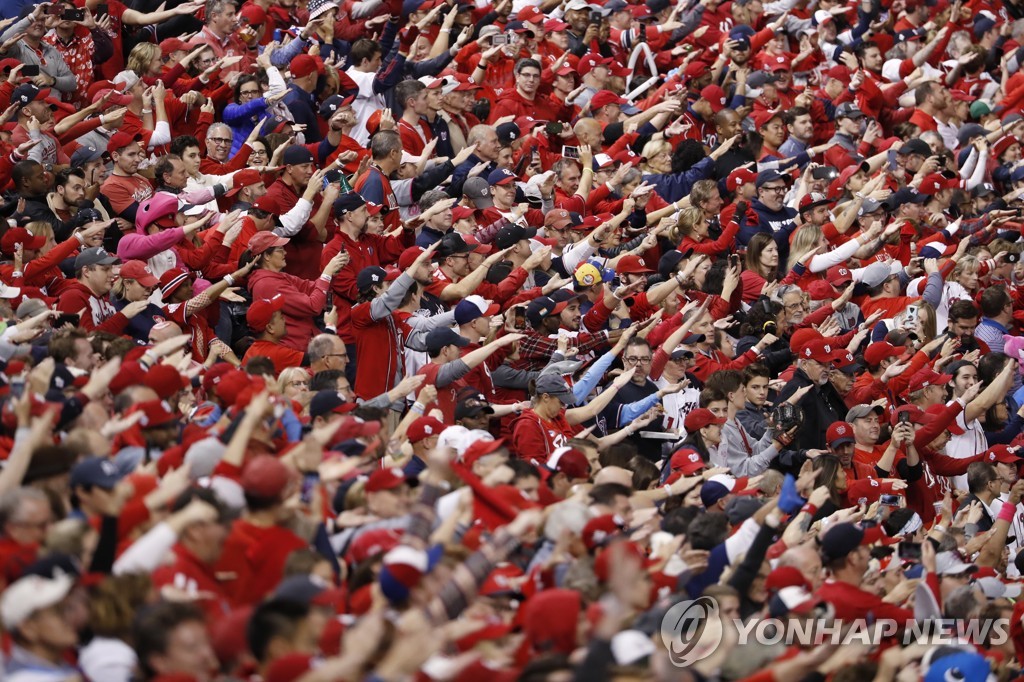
(124, 187)
(845, 554)
(267, 321)
(201, 528)
(257, 547)
(220, 34)
(447, 366)
(523, 100)
(24, 518)
(307, 242)
(415, 132)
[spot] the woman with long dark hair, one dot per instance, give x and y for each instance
(762, 266)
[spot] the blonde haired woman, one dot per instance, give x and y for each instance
(694, 229)
(293, 384)
(810, 238)
(657, 158)
(145, 59)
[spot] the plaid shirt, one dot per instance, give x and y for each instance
(535, 350)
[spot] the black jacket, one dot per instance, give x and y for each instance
(822, 406)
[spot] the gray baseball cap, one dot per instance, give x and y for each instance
(553, 385)
(97, 255)
(477, 190)
(86, 154)
(861, 411)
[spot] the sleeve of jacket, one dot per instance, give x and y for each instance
(144, 246)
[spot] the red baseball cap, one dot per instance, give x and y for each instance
(603, 98)
(265, 477)
(423, 428)
(154, 414)
(164, 380)
(715, 96)
(264, 241)
(839, 275)
(880, 350)
(1002, 453)
(699, 418)
(19, 235)
(481, 448)
(927, 377)
(600, 529)
(591, 60)
(820, 290)
(244, 178)
(686, 461)
(632, 264)
(569, 461)
(385, 479)
(839, 433)
(740, 176)
(262, 311)
(819, 350)
(138, 271)
(121, 139)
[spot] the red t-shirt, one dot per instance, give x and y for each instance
(125, 190)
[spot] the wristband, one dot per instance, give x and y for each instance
(81, 240)
(1006, 512)
(668, 491)
(230, 280)
(147, 111)
(809, 509)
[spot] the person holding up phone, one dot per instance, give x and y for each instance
(33, 50)
(81, 51)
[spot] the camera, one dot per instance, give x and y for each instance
(500, 39)
(73, 15)
(570, 152)
(595, 17)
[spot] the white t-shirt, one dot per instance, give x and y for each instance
(367, 102)
(677, 406)
(969, 443)
(951, 292)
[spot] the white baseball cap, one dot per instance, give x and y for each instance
(32, 594)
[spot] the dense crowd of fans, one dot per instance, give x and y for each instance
(448, 340)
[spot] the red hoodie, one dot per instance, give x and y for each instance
(304, 300)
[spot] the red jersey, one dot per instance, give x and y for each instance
(447, 396)
(535, 437)
(252, 563)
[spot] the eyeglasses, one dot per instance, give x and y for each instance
(219, 140)
(794, 307)
(249, 93)
(298, 383)
(637, 361)
(258, 152)
(337, 355)
(207, 62)
(778, 190)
